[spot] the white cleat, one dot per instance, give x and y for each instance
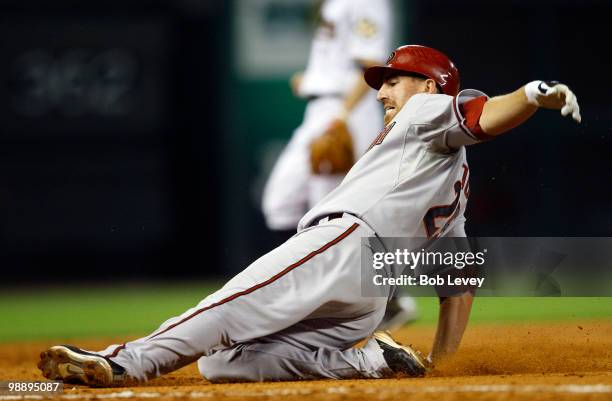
(400, 358)
(73, 365)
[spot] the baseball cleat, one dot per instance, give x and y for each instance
(73, 365)
(400, 358)
(400, 311)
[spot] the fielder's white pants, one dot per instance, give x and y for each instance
(292, 189)
(294, 313)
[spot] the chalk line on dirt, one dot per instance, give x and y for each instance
(490, 388)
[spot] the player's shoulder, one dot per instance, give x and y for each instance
(422, 108)
(421, 99)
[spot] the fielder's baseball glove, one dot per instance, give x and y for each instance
(332, 152)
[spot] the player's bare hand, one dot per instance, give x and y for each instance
(553, 95)
(295, 82)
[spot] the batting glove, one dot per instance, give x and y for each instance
(553, 95)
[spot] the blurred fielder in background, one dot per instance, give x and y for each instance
(342, 114)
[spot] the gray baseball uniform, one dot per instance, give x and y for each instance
(297, 311)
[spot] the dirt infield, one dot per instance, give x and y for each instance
(496, 362)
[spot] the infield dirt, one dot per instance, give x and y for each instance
(496, 362)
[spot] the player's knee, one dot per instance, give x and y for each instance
(281, 219)
(269, 210)
(214, 369)
(282, 212)
(270, 206)
(226, 367)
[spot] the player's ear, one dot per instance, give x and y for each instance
(430, 86)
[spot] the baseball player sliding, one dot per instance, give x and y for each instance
(296, 312)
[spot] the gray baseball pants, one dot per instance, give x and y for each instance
(295, 313)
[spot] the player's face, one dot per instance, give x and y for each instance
(396, 90)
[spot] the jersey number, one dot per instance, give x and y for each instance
(448, 212)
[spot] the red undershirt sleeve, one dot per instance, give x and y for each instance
(471, 111)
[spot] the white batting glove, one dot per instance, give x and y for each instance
(553, 95)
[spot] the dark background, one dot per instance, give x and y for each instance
(127, 147)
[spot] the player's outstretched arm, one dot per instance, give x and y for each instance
(357, 91)
(452, 321)
(502, 113)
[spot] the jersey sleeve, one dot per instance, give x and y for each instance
(370, 30)
(447, 122)
(467, 108)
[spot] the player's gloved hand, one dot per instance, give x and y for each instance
(553, 95)
(332, 152)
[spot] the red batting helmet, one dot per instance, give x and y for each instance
(420, 60)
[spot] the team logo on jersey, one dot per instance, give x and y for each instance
(366, 28)
(381, 137)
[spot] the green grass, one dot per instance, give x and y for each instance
(517, 309)
(86, 311)
(89, 311)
